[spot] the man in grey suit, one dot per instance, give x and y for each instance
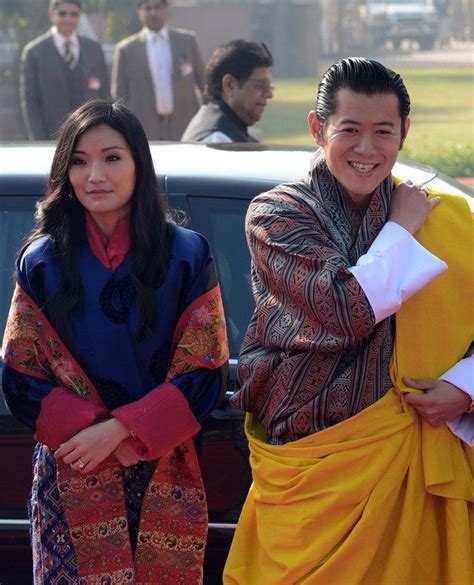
(60, 70)
(156, 72)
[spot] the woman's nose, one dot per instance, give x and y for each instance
(96, 174)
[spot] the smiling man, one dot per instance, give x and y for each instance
(355, 370)
(60, 70)
(238, 86)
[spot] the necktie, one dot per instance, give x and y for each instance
(162, 77)
(69, 56)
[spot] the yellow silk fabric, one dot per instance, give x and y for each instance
(382, 498)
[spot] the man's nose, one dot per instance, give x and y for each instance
(365, 144)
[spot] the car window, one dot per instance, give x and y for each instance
(16, 221)
(222, 222)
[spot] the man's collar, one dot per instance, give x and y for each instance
(231, 114)
(163, 33)
(61, 39)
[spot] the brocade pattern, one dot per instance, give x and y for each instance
(312, 356)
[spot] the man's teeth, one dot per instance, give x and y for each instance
(362, 168)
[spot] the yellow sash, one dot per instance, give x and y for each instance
(382, 498)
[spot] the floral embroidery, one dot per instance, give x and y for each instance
(200, 337)
(32, 348)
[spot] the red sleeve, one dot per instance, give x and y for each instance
(161, 420)
(63, 414)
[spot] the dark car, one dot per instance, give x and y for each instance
(211, 186)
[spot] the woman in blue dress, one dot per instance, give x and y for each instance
(115, 349)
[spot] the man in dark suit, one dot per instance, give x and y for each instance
(60, 70)
(156, 71)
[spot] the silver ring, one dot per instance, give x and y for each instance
(81, 464)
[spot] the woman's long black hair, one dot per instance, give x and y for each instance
(62, 217)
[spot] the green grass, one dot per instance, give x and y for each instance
(442, 128)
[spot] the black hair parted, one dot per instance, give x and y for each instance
(62, 217)
(238, 58)
(363, 76)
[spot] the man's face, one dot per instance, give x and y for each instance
(152, 14)
(361, 140)
(65, 17)
(249, 99)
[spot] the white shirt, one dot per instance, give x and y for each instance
(216, 137)
(60, 43)
(394, 268)
(160, 62)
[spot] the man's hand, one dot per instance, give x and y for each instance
(441, 402)
(92, 445)
(410, 206)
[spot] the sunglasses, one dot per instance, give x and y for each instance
(63, 13)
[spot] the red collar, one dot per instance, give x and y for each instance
(111, 253)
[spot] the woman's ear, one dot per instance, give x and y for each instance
(315, 128)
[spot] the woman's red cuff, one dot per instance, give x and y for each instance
(161, 420)
(63, 414)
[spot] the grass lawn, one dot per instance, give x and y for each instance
(442, 129)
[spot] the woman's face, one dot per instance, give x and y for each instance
(361, 140)
(102, 174)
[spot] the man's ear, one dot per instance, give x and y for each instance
(407, 127)
(315, 128)
(228, 84)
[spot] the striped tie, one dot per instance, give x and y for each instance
(69, 56)
(162, 76)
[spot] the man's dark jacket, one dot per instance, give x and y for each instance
(216, 116)
(49, 90)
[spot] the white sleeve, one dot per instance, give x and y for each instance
(215, 137)
(394, 268)
(462, 376)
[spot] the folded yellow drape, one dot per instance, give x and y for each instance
(382, 498)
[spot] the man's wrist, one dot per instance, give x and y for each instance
(470, 407)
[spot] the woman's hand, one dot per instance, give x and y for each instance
(92, 445)
(441, 402)
(126, 454)
(410, 206)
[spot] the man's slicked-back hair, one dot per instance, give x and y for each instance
(54, 4)
(238, 58)
(363, 76)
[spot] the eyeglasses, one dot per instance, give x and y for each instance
(63, 13)
(261, 85)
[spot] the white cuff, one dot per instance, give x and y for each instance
(462, 375)
(394, 268)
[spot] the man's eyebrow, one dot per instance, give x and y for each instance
(383, 123)
(113, 147)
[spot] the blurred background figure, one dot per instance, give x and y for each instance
(156, 71)
(444, 11)
(238, 85)
(59, 71)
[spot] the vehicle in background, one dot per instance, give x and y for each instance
(210, 186)
(399, 20)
